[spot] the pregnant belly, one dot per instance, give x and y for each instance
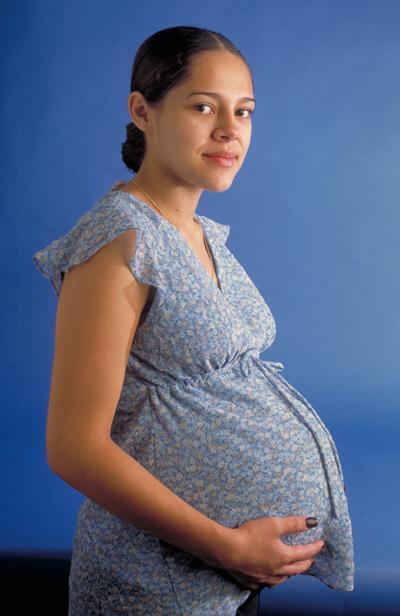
(236, 450)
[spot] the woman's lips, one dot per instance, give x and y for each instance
(224, 162)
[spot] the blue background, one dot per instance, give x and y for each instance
(314, 216)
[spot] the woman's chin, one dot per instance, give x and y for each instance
(220, 184)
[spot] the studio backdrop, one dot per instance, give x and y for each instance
(313, 214)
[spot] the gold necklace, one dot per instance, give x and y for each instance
(204, 239)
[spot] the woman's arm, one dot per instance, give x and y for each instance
(97, 314)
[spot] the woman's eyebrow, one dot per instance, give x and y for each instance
(244, 98)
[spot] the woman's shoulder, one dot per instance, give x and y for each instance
(116, 205)
(109, 217)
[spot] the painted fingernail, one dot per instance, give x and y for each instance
(311, 522)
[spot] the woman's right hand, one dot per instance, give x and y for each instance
(258, 557)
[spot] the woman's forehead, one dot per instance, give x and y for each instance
(221, 80)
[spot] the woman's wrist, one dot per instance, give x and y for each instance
(224, 547)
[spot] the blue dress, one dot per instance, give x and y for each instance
(207, 416)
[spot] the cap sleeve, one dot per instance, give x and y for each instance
(107, 219)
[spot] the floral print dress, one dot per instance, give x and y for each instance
(207, 416)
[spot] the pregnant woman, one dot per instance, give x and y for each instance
(201, 465)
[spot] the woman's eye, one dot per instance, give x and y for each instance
(250, 111)
(202, 105)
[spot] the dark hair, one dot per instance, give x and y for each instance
(161, 62)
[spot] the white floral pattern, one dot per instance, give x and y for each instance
(207, 416)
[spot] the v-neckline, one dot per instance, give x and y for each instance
(198, 219)
(215, 265)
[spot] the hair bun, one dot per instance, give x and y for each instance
(133, 148)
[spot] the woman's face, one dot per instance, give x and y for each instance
(184, 127)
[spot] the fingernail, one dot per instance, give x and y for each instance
(311, 522)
